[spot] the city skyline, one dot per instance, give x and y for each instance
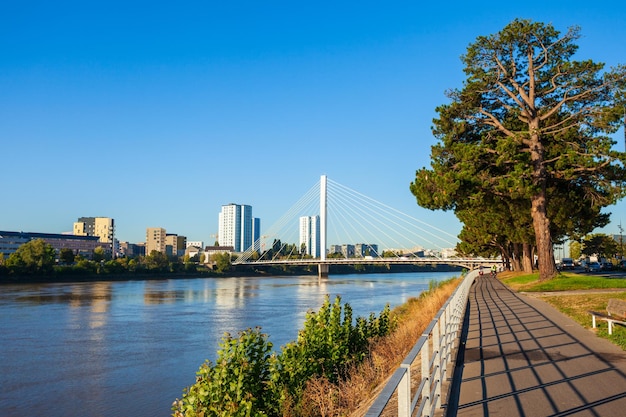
(157, 116)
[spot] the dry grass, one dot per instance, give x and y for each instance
(577, 307)
(353, 396)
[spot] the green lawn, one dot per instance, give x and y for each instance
(563, 282)
(576, 306)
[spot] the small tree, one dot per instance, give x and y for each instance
(66, 256)
(222, 261)
(236, 385)
(34, 257)
(157, 261)
(575, 249)
(98, 254)
(601, 245)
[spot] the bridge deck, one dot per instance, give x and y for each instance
(520, 357)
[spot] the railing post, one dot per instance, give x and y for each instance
(404, 393)
(439, 332)
(436, 372)
(426, 376)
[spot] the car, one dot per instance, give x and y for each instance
(593, 267)
(567, 263)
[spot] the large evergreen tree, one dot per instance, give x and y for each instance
(530, 126)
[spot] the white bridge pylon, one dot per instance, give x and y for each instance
(347, 217)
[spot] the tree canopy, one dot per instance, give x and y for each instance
(33, 257)
(524, 154)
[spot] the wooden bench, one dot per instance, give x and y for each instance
(615, 313)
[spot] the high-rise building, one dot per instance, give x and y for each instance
(310, 235)
(155, 240)
(237, 227)
(102, 227)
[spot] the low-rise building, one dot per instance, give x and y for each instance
(80, 245)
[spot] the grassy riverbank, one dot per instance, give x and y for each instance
(575, 295)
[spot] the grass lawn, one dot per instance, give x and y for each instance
(563, 282)
(576, 306)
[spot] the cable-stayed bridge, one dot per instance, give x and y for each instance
(345, 218)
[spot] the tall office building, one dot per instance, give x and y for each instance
(102, 227)
(237, 227)
(310, 235)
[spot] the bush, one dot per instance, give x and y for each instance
(236, 385)
(247, 381)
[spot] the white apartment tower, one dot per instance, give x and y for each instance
(237, 227)
(310, 235)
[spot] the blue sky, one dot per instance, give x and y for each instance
(157, 114)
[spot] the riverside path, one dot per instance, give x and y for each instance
(518, 356)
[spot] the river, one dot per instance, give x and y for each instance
(128, 348)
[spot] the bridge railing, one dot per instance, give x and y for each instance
(434, 349)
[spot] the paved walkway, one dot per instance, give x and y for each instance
(521, 357)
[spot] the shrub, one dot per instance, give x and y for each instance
(236, 385)
(247, 380)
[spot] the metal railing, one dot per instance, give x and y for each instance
(435, 350)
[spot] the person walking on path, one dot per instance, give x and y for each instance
(518, 356)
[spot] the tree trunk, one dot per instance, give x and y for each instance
(517, 255)
(538, 210)
(527, 258)
(541, 225)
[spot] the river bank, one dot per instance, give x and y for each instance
(80, 276)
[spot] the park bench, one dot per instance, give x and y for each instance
(615, 313)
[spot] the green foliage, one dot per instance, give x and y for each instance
(222, 262)
(563, 282)
(247, 381)
(236, 386)
(157, 261)
(31, 258)
(600, 244)
(66, 256)
(328, 344)
(525, 162)
(575, 249)
(98, 254)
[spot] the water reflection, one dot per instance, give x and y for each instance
(129, 348)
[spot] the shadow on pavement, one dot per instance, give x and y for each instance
(520, 357)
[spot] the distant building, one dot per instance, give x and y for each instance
(346, 250)
(80, 245)
(212, 250)
(196, 243)
(237, 227)
(175, 244)
(256, 233)
(310, 235)
(192, 251)
(132, 250)
(362, 250)
(334, 249)
(102, 227)
(155, 240)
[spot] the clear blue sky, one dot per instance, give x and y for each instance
(157, 115)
